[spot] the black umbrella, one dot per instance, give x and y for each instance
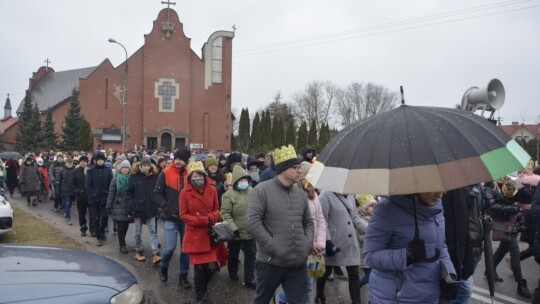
(10, 155)
(488, 257)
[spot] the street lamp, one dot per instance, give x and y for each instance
(124, 103)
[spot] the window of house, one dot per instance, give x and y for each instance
(217, 60)
(166, 91)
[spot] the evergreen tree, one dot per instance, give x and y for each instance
(86, 141)
(256, 142)
(72, 123)
(278, 134)
(312, 135)
(266, 131)
(291, 134)
(49, 138)
(324, 136)
(243, 131)
(25, 137)
(302, 136)
(234, 146)
(36, 125)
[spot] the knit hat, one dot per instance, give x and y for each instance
(234, 157)
(196, 166)
(366, 205)
(39, 161)
(211, 160)
(83, 158)
(59, 154)
(284, 158)
(161, 159)
(29, 158)
(146, 161)
(99, 155)
(124, 164)
(305, 166)
(183, 154)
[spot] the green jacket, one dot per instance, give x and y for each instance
(234, 205)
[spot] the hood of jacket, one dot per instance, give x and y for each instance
(239, 173)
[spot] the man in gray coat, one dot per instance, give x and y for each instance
(279, 220)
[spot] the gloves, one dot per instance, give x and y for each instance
(449, 291)
(416, 251)
(236, 234)
(331, 249)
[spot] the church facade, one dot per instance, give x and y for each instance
(174, 97)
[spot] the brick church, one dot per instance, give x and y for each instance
(174, 99)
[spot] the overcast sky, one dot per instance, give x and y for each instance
(435, 49)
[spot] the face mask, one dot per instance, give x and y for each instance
(197, 183)
(243, 185)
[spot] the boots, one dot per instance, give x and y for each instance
(183, 281)
(156, 258)
(163, 275)
(523, 290)
(200, 284)
(139, 256)
(320, 298)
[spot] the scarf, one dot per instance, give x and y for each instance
(121, 182)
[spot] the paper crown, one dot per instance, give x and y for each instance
(364, 198)
(530, 165)
(196, 166)
(284, 153)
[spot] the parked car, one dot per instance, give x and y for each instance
(41, 275)
(6, 216)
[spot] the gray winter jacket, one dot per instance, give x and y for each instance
(342, 222)
(117, 202)
(279, 220)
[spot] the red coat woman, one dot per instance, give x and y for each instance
(199, 208)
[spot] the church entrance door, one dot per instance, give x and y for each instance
(166, 141)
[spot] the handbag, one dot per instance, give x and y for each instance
(501, 231)
(220, 232)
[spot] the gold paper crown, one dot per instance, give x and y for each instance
(530, 165)
(196, 166)
(284, 153)
(364, 198)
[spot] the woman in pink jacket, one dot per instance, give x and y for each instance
(319, 225)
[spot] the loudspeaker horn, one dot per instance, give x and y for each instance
(490, 97)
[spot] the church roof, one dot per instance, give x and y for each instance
(7, 122)
(56, 87)
(513, 128)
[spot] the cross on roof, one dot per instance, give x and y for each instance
(168, 3)
(47, 62)
(234, 28)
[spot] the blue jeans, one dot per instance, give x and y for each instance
(151, 223)
(67, 201)
(465, 290)
(171, 232)
(282, 298)
(293, 280)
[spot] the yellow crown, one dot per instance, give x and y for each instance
(530, 164)
(364, 198)
(196, 166)
(284, 153)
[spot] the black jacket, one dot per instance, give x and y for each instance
(79, 178)
(98, 180)
(65, 181)
(141, 199)
(169, 184)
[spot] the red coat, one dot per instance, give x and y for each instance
(198, 210)
(45, 173)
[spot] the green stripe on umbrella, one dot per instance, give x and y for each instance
(507, 159)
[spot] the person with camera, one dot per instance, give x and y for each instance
(508, 215)
(343, 222)
(405, 246)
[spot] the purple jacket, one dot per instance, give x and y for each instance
(390, 229)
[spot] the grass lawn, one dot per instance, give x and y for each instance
(29, 230)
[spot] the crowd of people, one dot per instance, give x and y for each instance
(416, 248)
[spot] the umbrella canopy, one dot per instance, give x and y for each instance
(414, 149)
(10, 155)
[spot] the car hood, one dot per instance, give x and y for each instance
(28, 273)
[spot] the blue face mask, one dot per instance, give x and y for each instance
(243, 185)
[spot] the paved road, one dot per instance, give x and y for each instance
(223, 290)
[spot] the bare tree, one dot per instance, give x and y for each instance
(359, 101)
(315, 102)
